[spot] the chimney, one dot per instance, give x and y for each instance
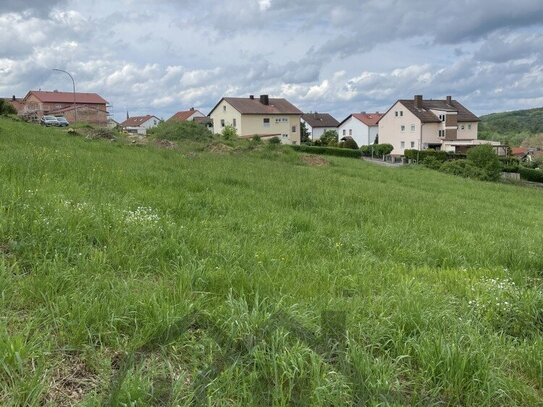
(252, 97)
(265, 100)
(362, 112)
(449, 100)
(192, 109)
(127, 115)
(418, 101)
(55, 91)
(13, 98)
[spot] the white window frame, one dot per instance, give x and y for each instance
(402, 128)
(265, 123)
(402, 145)
(412, 127)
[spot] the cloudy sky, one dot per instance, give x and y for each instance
(340, 56)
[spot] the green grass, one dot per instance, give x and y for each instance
(105, 247)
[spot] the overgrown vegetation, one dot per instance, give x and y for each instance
(178, 131)
(213, 270)
(335, 151)
(6, 108)
(376, 150)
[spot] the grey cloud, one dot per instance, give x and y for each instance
(36, 6)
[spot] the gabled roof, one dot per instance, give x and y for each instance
(316, 120)
(369, 119)
(254, 106)
(66, 97)
(67, 109)
(137, 121)
(184, 115)
(426, 116)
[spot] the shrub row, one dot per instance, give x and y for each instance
(439, 155)
(531, 175)
(377, 150)
(340, 152)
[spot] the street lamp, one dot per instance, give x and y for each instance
(73, 83)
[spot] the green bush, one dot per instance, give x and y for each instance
(529, 174)
(349, 143)
(180, 131)
(329, 138)
(256, 138)
(485, 158)
(229, 133)
(339, 152)
(6, 108)
(432, 162)
(439, 155)
(379, 150)
(509, 164)
(274, 140)
(462, 168)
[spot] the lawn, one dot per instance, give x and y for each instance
(139, 275)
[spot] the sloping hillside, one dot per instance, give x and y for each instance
(514, 126)
(135, 275)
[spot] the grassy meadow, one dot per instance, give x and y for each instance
(106, 246)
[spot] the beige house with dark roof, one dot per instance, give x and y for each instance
(265, 117)
(420, 124)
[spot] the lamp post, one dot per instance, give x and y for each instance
(73, 83)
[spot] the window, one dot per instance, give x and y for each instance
(344, 132)
(401, 112)
(266, 122)
(294, 129)
(234, 122)
(442, 117)
(224, 108)
(469, 126)
(412, 144)
(462, 127)
(412, 127)
(402, 128)
(402, 144)
(441, 133)
(396, 113)
(350, 132)
(222, 122)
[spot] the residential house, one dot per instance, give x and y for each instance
(82, 107)
(420, 124)
(362, 127)
(187, 115)
(265, 117)
(140, 124)
(318, 123)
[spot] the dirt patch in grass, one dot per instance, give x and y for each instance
(220, 148)
(70, 382)
(167, 144)
(314, 160)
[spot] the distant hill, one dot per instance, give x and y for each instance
(514, 127)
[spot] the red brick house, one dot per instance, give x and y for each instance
(90, 107)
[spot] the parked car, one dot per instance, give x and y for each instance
(49, 121)
(62, 122)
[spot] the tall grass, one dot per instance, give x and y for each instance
(105, 247)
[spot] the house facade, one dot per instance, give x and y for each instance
(420, 124)
(362, 127)
(186, 115)
(140, 124)
(265, 117)
(318, 123)
(88, 107)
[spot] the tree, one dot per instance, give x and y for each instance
(7, 108)
(487, 160)
(304, 133)
(329, 138)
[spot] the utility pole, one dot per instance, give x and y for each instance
(73, 83)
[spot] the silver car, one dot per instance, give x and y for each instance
(49, 121)
(62, 122)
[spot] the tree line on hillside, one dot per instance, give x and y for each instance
(512, 127)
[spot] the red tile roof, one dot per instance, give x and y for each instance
(67, 97)
(137, 121)
(182, 116)
(369, 119)
(519, 151)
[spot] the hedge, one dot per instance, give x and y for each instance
(340, 152)
(377, 150)
(439, 155)
(531, 175)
